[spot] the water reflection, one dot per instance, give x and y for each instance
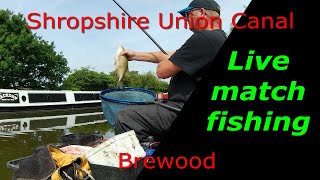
(19, 136)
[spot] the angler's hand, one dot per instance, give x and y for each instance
(131, 55)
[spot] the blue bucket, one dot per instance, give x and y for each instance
(115, 100)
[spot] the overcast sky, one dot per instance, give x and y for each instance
(97, 48)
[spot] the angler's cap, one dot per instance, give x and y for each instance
(206, 4)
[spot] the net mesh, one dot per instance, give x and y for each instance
(115, 100)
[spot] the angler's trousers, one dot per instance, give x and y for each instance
(146, 120)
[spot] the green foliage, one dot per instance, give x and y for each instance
(150, 81)
(86, 79)
(147, 81)
(26, 60)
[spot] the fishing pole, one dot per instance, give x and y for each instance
(141, 28)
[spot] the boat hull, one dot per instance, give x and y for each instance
(13, 101)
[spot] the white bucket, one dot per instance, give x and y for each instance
(108, 153)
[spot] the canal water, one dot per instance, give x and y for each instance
(21, 133)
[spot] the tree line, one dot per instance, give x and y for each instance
(86, 79)
(27, 61)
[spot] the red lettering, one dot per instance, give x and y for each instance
(185, 162)
(253, 23)
(140, 21)
(291, 20)
(165, 160)
(191, 21)
(97, 20)
(185, 24)
(122, 160)
(149, 160)
(264, 23)
(129, 21)
(60, 20)
(123, 22)
(136, 159)
(234, 21)
(180, 162)
(45, 19)
(281, 23)
(205, 22)
(192, 165)
(83, 23)
(69, 23)
(170, 21)
(209, 158)
(112, 18)
(34, 21)
(212, 19)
